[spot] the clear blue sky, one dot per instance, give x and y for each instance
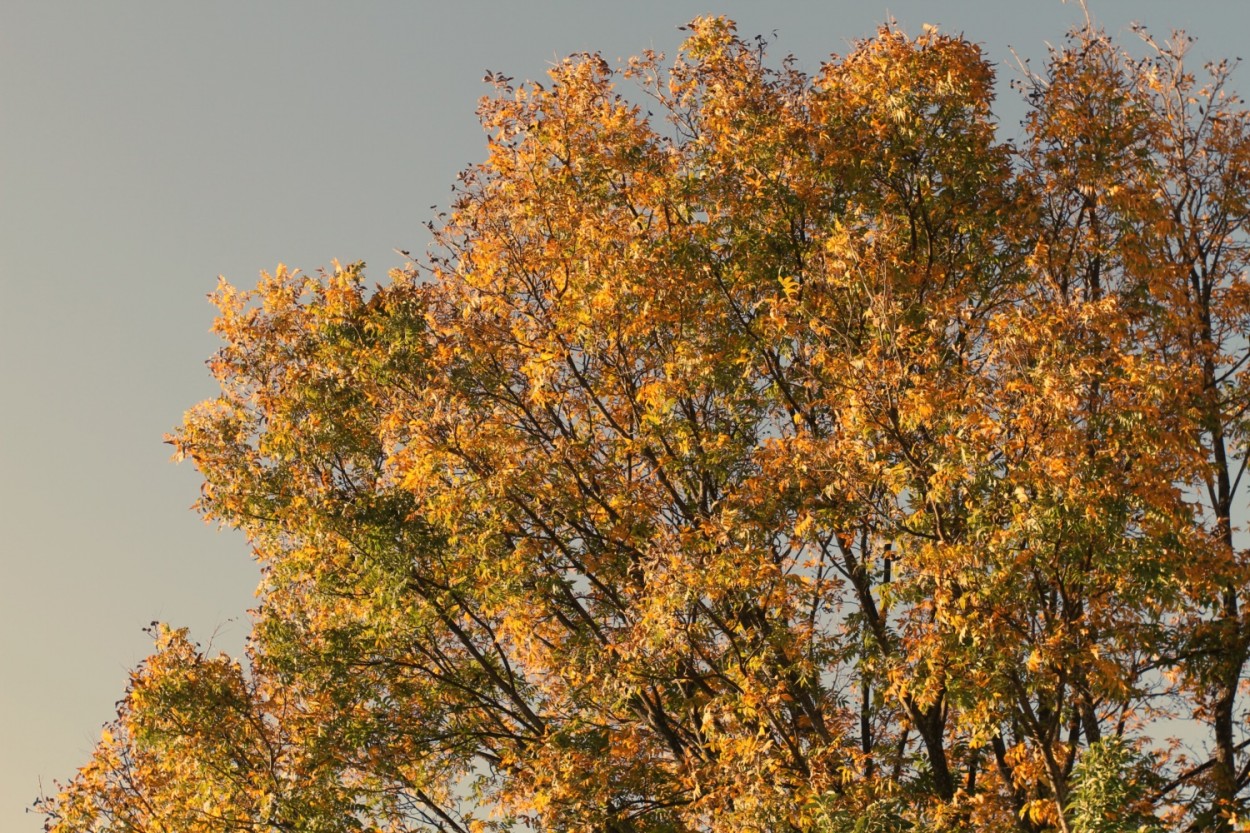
(145, 148)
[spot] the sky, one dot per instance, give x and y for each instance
(148, 147)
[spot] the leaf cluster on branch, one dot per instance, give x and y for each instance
(779, 453)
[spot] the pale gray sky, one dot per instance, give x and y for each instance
(145, 148)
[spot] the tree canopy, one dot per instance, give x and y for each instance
(763, 452)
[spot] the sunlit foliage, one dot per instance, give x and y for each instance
(759, 452)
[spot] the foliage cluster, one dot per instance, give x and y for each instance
(782, 453)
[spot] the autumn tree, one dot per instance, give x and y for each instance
(779, 453)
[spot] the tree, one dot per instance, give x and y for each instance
(803, 457)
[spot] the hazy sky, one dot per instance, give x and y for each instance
(147, 147)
